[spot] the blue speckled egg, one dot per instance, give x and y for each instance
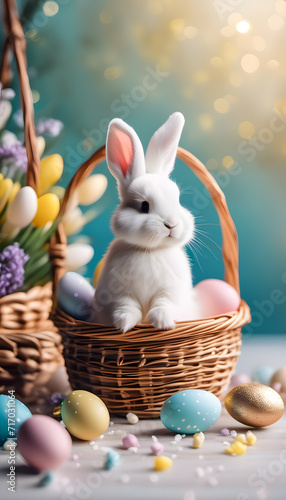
(75, 296)
(190, 411)
(17, 413)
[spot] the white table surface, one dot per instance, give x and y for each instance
(258, 474)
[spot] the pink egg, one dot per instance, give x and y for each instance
(216, 297)
(239, 379)
(43, 442)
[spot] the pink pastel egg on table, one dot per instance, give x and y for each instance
(216, 297)
(43, 442)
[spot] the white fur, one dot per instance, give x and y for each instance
(147, 275)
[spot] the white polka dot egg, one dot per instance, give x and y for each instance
(190, 411)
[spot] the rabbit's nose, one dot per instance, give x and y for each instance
(168, 225)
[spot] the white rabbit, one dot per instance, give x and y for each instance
(146, 276)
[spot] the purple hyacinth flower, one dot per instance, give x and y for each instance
(12, 273)
(16, 154)
(49, 126)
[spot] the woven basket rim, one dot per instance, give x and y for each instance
(72, 327)
(24, 296)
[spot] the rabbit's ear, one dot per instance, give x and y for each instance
(162, 149)
(124, 152)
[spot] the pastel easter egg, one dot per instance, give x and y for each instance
(75, 296)
(263, 374)
(78, 255)
(238, 379)
(254, 404)
(59, 382)
(279, 377)
(278, 382)
(43, 442)
(216, 297)
(190, 411)
(85, 415)
(51, 170)
(13, 411)
(98, 270)
(22, 209)
(91, 189)
(48, 209)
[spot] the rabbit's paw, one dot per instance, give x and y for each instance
(125, 319)
(161, 318)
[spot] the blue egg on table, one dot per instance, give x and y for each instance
(263, 374)
(12, 415)
(75, 296)
(190, 411)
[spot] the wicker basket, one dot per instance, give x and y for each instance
(137, 371)
(30, 346)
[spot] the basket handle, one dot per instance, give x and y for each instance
(229, 234)
(15, 41)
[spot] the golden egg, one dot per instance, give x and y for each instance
(254, 404)
(85, 415)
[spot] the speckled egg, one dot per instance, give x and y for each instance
(254, 404)
(16, 411)
(85, 415)
(190, 411)
(75, 296)
(43, 442)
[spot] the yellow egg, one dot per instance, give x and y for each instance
(98, 271)
(85, 415)
(48, 209)
(254, 404)
(162, 463)
(50, 172)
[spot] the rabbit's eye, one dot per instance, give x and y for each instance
(145, 207)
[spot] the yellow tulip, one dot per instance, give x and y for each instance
(73, 221)
(48, 209)
(16, 187)
(50, 172)
(91, 189)
(6, 186)
(98, 270)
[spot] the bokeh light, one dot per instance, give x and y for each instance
(280, 106)
(190, 32)
(243, 27)
(258, 43)
(234, 18)
(50, 8)
(206, 121)
(246, 129)
(250, 63)
(227, 161)
(221, 105)
(275, 22)
(112, 72)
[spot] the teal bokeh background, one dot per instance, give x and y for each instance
(89, 64)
